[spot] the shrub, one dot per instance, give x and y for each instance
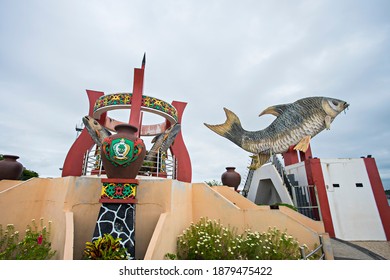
(209, 240)
(206, 240)
(105, 248)
(270, 245)
(34, 246)
(213, 183)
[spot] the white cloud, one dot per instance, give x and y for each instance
(243, 55)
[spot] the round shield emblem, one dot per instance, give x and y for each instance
(121, 151)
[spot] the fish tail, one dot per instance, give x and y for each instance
(230, 129)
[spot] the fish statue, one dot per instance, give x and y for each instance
(161, 144)
(295, 124)
(163, 141)
(96, 130)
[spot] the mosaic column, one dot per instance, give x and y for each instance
(117, 213)
(122, 156)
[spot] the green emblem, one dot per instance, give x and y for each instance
(121, 151)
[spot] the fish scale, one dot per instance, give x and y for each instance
(294, 123)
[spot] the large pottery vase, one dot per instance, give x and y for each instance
(123, 153)
(10, 169)
(231, 178)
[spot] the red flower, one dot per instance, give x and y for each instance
(40, 239)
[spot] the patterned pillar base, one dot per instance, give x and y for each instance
(119, 191)
(117, 213)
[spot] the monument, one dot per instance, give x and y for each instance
(122, 151)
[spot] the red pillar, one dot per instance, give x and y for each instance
(315, 177)
(293, 156)
(290, 157)
(308, 154)
(179, 149)
(136, 99)
(379, 194)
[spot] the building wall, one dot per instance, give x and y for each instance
(353, 210)
(299, 171)
(165, 208)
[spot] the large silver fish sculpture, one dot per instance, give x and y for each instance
(295, 124)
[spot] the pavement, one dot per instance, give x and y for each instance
(360, 250)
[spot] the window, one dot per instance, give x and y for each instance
(336, 185)
(359, 185)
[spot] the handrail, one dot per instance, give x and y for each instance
(156, 166)
(320, 247)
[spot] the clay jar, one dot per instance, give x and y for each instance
(10, 169)
(231, 178)
(123, 153)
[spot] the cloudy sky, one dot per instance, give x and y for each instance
(243, 55)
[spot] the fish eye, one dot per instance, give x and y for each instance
(334, 104)
(95, 122)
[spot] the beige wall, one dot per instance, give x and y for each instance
(36, 198)
(165, 208)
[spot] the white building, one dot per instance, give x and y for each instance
(348, 195)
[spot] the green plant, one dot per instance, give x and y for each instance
(170, 256)
(213, 183)
(105, 248)
(9, 239)
(287, 205)
(270, 245)
(27, 174)
(206, 240)
(209, 240)
(34, 246)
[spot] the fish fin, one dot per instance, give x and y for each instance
(230, 129)
(303, 145)
(258, 161)
(328, 120)
(276, 110)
